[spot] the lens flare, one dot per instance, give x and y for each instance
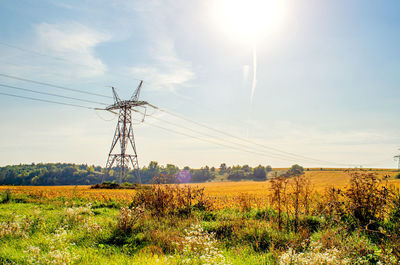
(184, 176)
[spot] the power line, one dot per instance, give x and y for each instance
(278, 156)
(51, 94)
(246, 140)
(58, 58)
(212, 142)
(78, 64)
(52, 85)
(45, 100)
(286, 155)
(40, 54)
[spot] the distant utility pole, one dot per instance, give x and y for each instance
(124, 135)
(398, 159)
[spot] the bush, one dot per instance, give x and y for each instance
(367, 197)
(7, 196)
(295, 170)
(128, 218)
(164, 200)
(311, 223)
(106, 185)
(223, 230)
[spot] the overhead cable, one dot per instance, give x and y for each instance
(45, 100)
(51, 94)
(246, 140)
(52, 85)
(214, 142)
(248, 149)
(58, 58)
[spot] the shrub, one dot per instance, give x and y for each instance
(128, 218)
(311, 223)
(15, 228)
(164, 200)
(106, 185)
(258, 236)
(77, 215)
(55, 250)
(7, 196)
(367, 197)
(245, 201)
(279, 196)
(292, 195)
(294, 171)
(223, 230)
(333, 204)
(316, 255)
(113, 185)
(200, 247)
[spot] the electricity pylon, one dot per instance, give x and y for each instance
(124, 136)
(398, 158)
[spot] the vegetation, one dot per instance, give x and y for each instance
(113, 185)
(293, 221)
(72, 174)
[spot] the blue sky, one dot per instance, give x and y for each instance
(327, 81)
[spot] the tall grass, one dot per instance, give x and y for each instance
(177, 224)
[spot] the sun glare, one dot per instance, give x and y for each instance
(250, 19)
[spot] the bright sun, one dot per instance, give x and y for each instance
(250, 19)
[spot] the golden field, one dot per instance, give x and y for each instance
(226, 194)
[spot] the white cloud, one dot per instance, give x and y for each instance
(74, 42)
(167, 71)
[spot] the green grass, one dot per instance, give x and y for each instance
(106, 247)
(71, 232)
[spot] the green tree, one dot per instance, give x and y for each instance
(295, 170)
(260, 173)
(246, 168)
(222, 168)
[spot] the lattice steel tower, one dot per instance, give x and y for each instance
(124, 136)
(398, 158)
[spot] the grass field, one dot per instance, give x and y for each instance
(233, 223)
(222, 191)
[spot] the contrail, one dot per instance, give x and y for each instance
(253, 86)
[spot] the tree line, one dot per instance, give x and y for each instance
(47, 174)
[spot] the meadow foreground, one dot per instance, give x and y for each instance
(316, 218)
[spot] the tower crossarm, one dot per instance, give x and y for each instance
(126, 104)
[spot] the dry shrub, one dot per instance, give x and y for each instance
(128, 218)
(16, 228)
(292, 195)
(151, 250)
(333, 204)
(165, 239)
(162, 200)
(245, 201)
(368, 197)
(331, 239)
(77, 215)
(200, 247)
(279, 196)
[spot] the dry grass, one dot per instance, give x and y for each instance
(227, 194)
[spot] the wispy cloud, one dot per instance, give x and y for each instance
(167, 71)
(76, 43)
(58, 51)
